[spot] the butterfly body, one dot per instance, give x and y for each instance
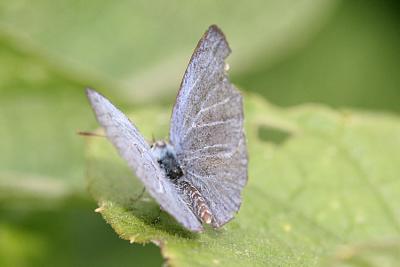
(165, 155)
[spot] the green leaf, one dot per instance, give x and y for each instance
(318, 179)
(127, 44)
(350, 62)
(72, 235)
(41, 110)
(382, 253)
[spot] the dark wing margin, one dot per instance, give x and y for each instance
(207, 128)
(136, 152)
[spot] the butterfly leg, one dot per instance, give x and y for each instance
(158, 217)
(133, 200)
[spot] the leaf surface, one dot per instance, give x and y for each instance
(126, 44)
(318, 179)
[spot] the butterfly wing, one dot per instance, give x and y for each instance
(135, 150)
(207, 128)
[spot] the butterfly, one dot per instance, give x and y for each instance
(198, 175)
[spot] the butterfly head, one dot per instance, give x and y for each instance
(160, 148)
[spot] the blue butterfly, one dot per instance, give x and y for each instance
(197, 177)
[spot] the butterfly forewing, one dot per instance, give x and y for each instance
(135, 150)
(207, 128)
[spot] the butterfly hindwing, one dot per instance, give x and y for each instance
(135, 150)
(207, 128)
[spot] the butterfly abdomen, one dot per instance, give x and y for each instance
(197, 202)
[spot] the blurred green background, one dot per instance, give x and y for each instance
(341, 53)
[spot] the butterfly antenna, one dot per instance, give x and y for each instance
(89, 134)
